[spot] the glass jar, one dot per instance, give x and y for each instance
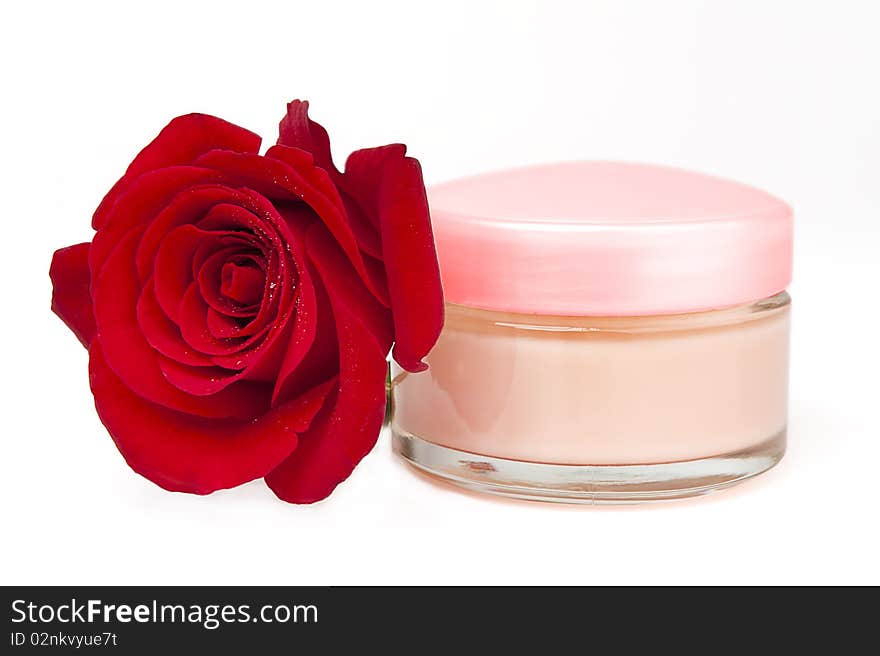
(599, 408)
(626, 346)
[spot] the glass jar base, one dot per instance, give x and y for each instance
(588, 484)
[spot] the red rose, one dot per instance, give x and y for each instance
(238, 308)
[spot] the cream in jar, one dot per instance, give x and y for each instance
(614, 332)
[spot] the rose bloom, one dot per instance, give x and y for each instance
(238, 308)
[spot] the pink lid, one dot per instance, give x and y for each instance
(608, 238)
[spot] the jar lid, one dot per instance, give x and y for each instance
(608, 239)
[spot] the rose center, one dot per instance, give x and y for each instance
(242, 282)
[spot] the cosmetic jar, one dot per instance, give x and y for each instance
(614, 332)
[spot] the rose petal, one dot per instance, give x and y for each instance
(163, 334)
(209, 277)
(408, 249)
(365, 171)
(173, 267)
(174, 261)
(299, 131)
(345, 432)
(242, 282)
(264, 360)
(366, 233)
(179, 142)
(196, 332)
(260, 219)
(259, 353)
(223, 326)
(71, 301)
(303, 335)
(139, 204)
(322, 358)
(183, 453)
(189, 206)
(115, 295)
(296, 300)
(282, 176)
(198, 381)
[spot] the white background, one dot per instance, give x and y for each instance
(782, 95)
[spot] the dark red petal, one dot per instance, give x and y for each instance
(222, 326)
(401, 208)
(344, 287)
(183, 453)
(115, 295)
(180, 142)
(321, 361)
(163, 334)
(209, 277)
(195, 331)
(139, 204)
(71, 301)
(364, 172)
(194, 310)
(345, 432)
(316, 188)
(260, 353)
(243, 282)
(198, 381)
(303, 335)
(172, 274)
(366, 233)
(187, 207)
(264, 360)
(297, 221)
(299, 131)
(173, 270)
(310, 184)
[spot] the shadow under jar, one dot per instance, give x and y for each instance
(614, 332)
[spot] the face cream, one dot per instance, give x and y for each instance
(614, 332)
